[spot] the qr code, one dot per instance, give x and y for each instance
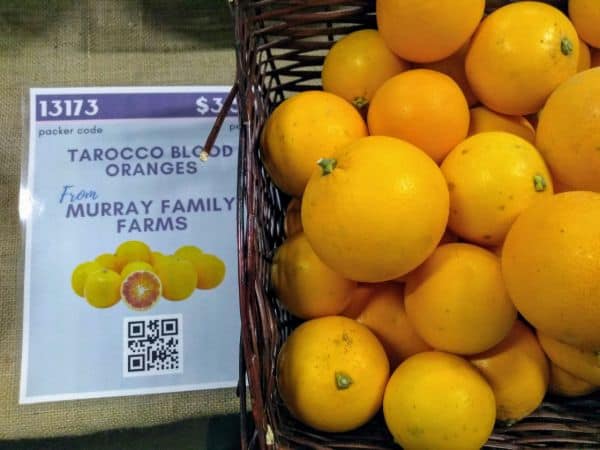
(152, 345)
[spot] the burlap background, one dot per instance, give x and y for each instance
(93, 43)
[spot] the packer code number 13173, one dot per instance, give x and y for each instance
(68, 107)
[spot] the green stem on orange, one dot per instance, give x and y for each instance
(539, 183)
(510, 422)
(360, 102)
(342, 380)
(327, 165)
(566, 46)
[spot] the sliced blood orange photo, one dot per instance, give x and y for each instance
(141, 290)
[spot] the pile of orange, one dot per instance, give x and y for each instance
(444, 229)
(140, 276)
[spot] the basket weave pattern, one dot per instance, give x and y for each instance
(281, 46)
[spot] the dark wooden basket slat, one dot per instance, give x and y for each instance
(280, 49)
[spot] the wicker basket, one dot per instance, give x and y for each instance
(280, 50)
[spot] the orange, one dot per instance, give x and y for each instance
(192, 253)
(130, 251)
(80, 274)
(386, 317)
(292, 223)
(484, 119)
(447, 238)
(424, 107)
(108, 261)
(568, 132)
(436, 400)
(427, 30)
(102, 288)
(375, 211)
(140, 289)
(178, 277)
(568, 385)
(358, 299)
(454, 67)
(155, 257)
(584, 364)
(134, 267)
(210, 269)
(302, 129)
(304, 284)
(551, 267)
(518, 56)
(331, 373)
(585, 15)
(518, 372)
(357, 65)
(585, 57)
(457, 302)
(189, 252)
(492, 177)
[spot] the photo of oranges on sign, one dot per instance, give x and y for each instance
(140, 276)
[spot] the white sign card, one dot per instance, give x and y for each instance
(130, 276)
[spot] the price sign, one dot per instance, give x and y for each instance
(122, 208)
